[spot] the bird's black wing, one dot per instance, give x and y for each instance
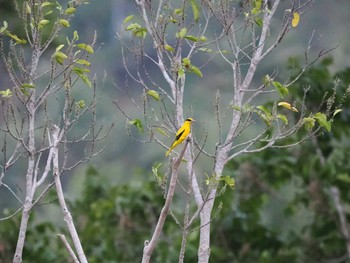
(179, 135)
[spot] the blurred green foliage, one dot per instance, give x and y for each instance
(280, 211)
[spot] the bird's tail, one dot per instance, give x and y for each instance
(167, 153)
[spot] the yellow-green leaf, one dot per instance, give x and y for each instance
(296, 19)
(309, 123)
(169, 48)
(128, 18)
(132, 26)
(228, 180)
(195, 10)
(138, 124)
(282, 90)
(60, 57)
(70, 10)
(283, 118)
(181, 72)
(83, 62)
(287, 105)
(64, 22)
(43, 22)
(196, 71)
(80, 104)
(46, 3)
(27, 86)
(182, 33)
(202, 39)
(59, 47)
(81, 74)
(6, 93)
(154, 94)
(322, 120)
(16, 38)
(192, 38)
(86, 47)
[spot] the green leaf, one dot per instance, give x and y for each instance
(24, 88)
(128, 18)
(203, 39)
(267, 79)
(75, 36)
(264, 114)
(64, 22)
(186, 62)
(257, 4)
(86, 47)
(228, 180)
(132, 26)
(192, 38)
(6, 93)
(83, 62)
(169, 48)
(264, 109)
(43, 22)
(283, 118)
(182, 33)
(309, 123)
(181, 72)
(258, 21)
(70, 11)
(46, 3)
(59, 47)
(322, 121)
(178, 11)
(81, 74)
(138, 124)
(140, 32)
(282, 90)
(195, 10)
(16, 38)
(60, 57)
(196, 71)
(80, 104)
(154, 94)
(27, 86)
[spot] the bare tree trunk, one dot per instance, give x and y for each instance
(150, 245)
(30, 186)
(67, 216)
(22, 232)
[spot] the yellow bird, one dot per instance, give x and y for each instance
(181, 134)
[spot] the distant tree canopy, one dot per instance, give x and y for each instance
(282, 209)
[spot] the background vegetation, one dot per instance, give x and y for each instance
(284, 207)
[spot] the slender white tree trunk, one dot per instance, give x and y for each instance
(67, 215)
(30, 187)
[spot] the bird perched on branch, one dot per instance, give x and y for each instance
(181, 134)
